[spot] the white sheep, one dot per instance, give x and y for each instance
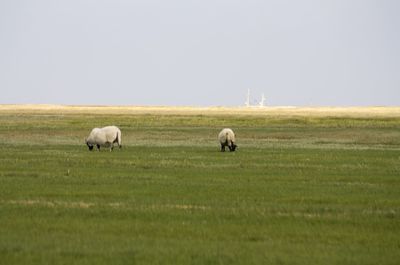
(105, 136)
(227, 138)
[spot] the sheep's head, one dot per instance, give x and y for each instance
(89, 145)
(232, 147)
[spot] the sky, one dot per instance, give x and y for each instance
(200, 52)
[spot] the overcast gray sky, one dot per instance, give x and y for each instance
(200, 52)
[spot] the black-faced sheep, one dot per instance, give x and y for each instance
(227, 138)
(105, 136)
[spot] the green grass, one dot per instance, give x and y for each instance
(299, 190)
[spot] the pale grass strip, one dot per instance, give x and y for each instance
(86, 205)
(51, 204)
(188, 207)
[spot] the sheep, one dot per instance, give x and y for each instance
(227, 138)
(105, 136)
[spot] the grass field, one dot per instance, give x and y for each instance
(306, 186)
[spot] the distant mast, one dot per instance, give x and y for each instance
(261, 104)
(247, 103)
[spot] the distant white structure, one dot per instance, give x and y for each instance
(261, 103)
(247, 103)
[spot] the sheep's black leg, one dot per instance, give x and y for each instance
(98, 147)
(222, 148)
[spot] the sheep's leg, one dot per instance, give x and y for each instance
(119, 145)
(111, 146)
(98, 147)
(222, 148)
(116, 141)
(229, 144)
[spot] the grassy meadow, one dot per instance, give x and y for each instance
(305, 186)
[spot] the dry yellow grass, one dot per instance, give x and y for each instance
(166, 110)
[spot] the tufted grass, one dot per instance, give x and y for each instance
(301, 189)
